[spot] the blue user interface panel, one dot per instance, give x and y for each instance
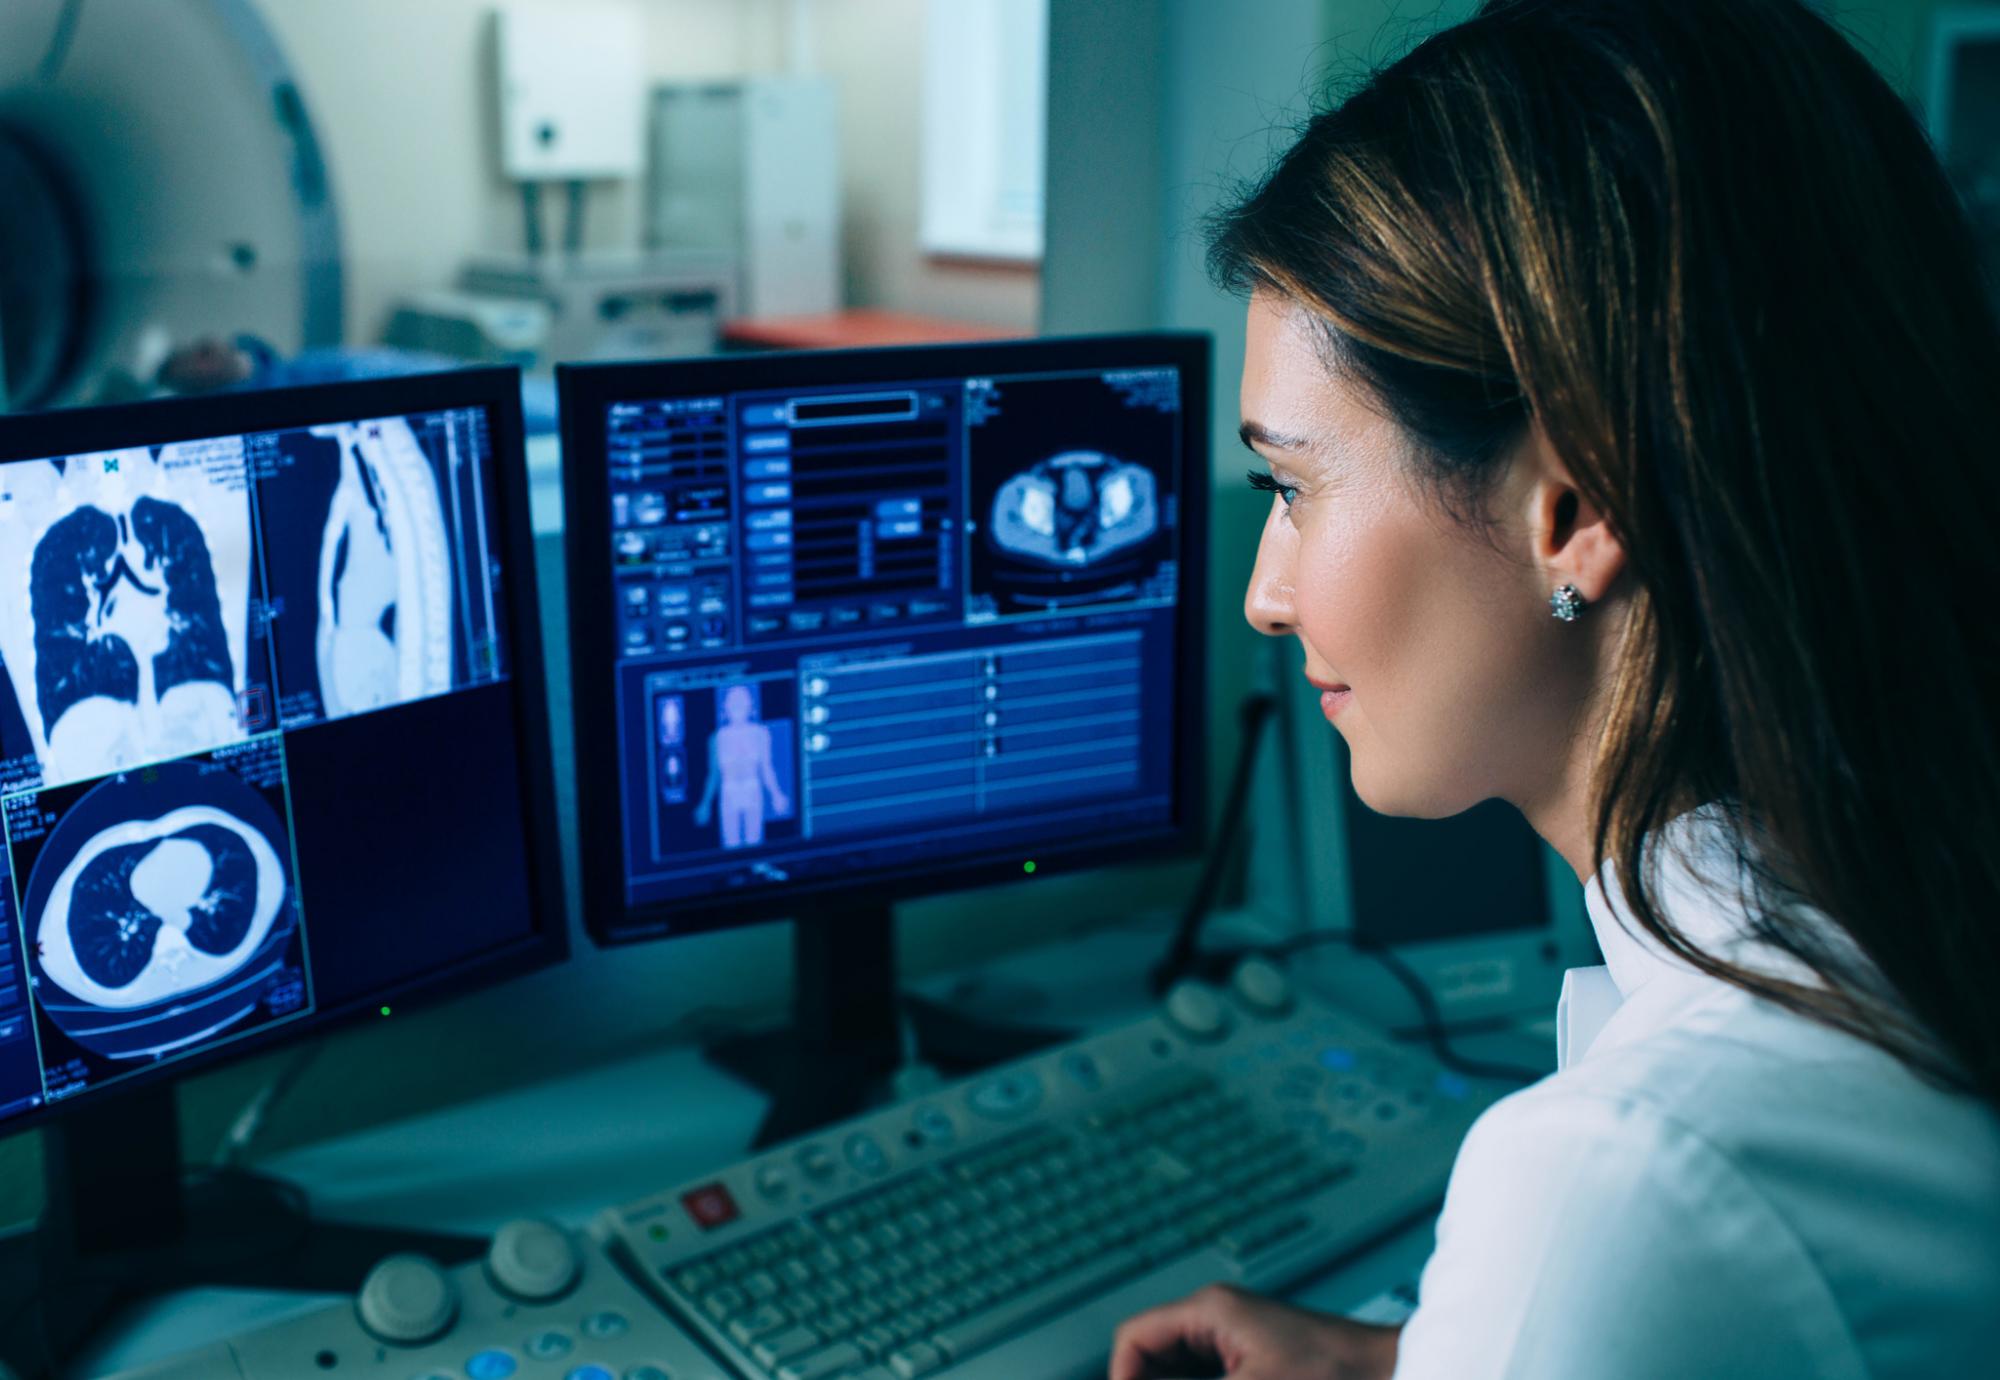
(245, 683)
(872, 628)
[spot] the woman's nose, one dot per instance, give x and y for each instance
(1268, 601)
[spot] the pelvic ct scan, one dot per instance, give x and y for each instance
(125, 603)
(385, 577)
(1075, 509)
(739, 764)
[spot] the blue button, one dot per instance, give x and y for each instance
(1453, 1087)
(592, 1372)
(604, 1325)
(493, 1364)
(1338, 1059)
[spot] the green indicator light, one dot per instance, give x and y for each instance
(1029, 867)
(385, 1010)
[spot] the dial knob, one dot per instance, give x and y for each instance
(1197, 1010)
(532, 1260)
(407, 1298)
(1262, 986)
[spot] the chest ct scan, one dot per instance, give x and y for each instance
(124, 603)
(155, 907)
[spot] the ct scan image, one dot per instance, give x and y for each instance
(159, 911)
(363, 586)
(1071, 497)
(126, 589)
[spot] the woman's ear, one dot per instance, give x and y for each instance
(1570, 538)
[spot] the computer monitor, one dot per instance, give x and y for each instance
(273, 748)
(850, 626)
(1484, 912)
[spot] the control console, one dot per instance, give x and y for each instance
(1003, 1226)
(545, 1304)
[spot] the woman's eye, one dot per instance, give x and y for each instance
(1268, 483)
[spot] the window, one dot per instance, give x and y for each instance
(985, 118)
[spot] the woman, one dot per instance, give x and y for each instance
(1659, 317)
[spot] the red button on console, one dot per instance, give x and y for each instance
(710, 1206)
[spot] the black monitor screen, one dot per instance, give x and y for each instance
(257, 715)
(927, 610)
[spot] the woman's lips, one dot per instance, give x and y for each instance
(1333, 696)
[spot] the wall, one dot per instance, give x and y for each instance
(400, 92)
(874, 50)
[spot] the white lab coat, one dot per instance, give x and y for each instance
(1711, 1186)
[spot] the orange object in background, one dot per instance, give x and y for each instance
(859, 326)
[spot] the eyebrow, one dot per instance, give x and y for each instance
(1257, 431)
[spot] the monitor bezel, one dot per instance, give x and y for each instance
(585, 390)
(40, 435)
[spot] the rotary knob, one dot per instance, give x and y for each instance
(1197, 1010)
(1262, 987)
(407, 1299)
(532, 1260)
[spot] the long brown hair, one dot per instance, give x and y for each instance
(1705, 246)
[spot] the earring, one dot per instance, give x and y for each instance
(1566, 604)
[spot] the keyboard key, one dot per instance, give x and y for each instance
(760, 1321)
(919, 1358)
(777, 1349)
(982, 1330)
(1249, 1238)
(724, 1302)
(835, 1360)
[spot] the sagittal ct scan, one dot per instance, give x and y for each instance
(125, 589)
(159, 908)
(385, 575)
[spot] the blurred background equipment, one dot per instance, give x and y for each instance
(752, 168)
(160, 180)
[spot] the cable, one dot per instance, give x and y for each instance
(1255, 713)
(59, 42)
(531, 217)
(248, 1122)
(1420, 993)
(573, 218)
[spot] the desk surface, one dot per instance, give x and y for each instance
(858, 326)
(565, 1148)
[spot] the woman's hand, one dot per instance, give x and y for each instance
(1225, 1331)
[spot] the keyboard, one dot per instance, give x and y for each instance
(1003, 1227)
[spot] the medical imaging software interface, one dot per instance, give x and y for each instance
(193, 637)
(882, 626)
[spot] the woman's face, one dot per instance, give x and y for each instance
(1430, 640)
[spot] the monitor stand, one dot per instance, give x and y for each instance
(845, 1041)
(123, 1221)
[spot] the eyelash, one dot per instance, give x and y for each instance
(1268, 483)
